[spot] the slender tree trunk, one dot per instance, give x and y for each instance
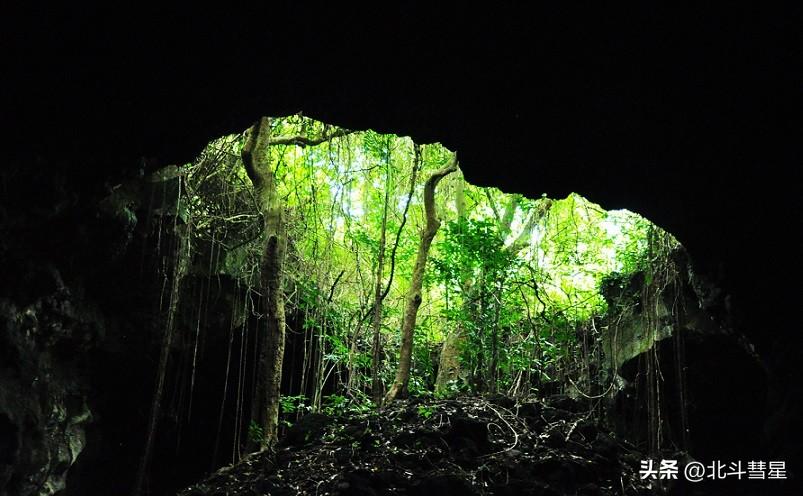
(376, 383)
(449, 361)
(399, 387)
(352, 374)
(265, 404)
(495, 340)
(479, 381)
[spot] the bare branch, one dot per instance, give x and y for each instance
(303, 141)
(491, 202)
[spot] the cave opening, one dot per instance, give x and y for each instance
(518, 297)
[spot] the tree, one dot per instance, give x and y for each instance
(449, 361)
(376, 383)
(413, 298)
(265, 404)
(482, 244)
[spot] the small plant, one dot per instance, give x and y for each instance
(294, 404)
(337, 404)
(256, 433)
(425, 411)
(334, 404)
(419, 388)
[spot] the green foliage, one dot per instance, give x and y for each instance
(453, 388)
(293, 404)
(475, 264)
(337, 404)
(256, 433)
(425, 411)
(473, 249)
(521, 291)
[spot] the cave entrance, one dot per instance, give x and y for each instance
(519, 295)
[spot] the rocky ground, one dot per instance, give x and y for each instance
(467, 446)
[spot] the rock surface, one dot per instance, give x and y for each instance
(43, 388)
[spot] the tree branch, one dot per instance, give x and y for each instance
(492, 203)
(303, 141)
(429, 193)
(334, 285)
(506, 222)
(523, 239)
(416, 167)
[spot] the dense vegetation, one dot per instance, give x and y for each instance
(327, 234)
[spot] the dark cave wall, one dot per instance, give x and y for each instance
(707, 369)
(44, 408)
(75, 335)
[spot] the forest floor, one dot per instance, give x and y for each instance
(466, 446)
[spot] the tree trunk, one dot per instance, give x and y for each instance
(265, 403)
(449, 363)
(376, 384)
(449, 369)
(495, 340)
(399, 387)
